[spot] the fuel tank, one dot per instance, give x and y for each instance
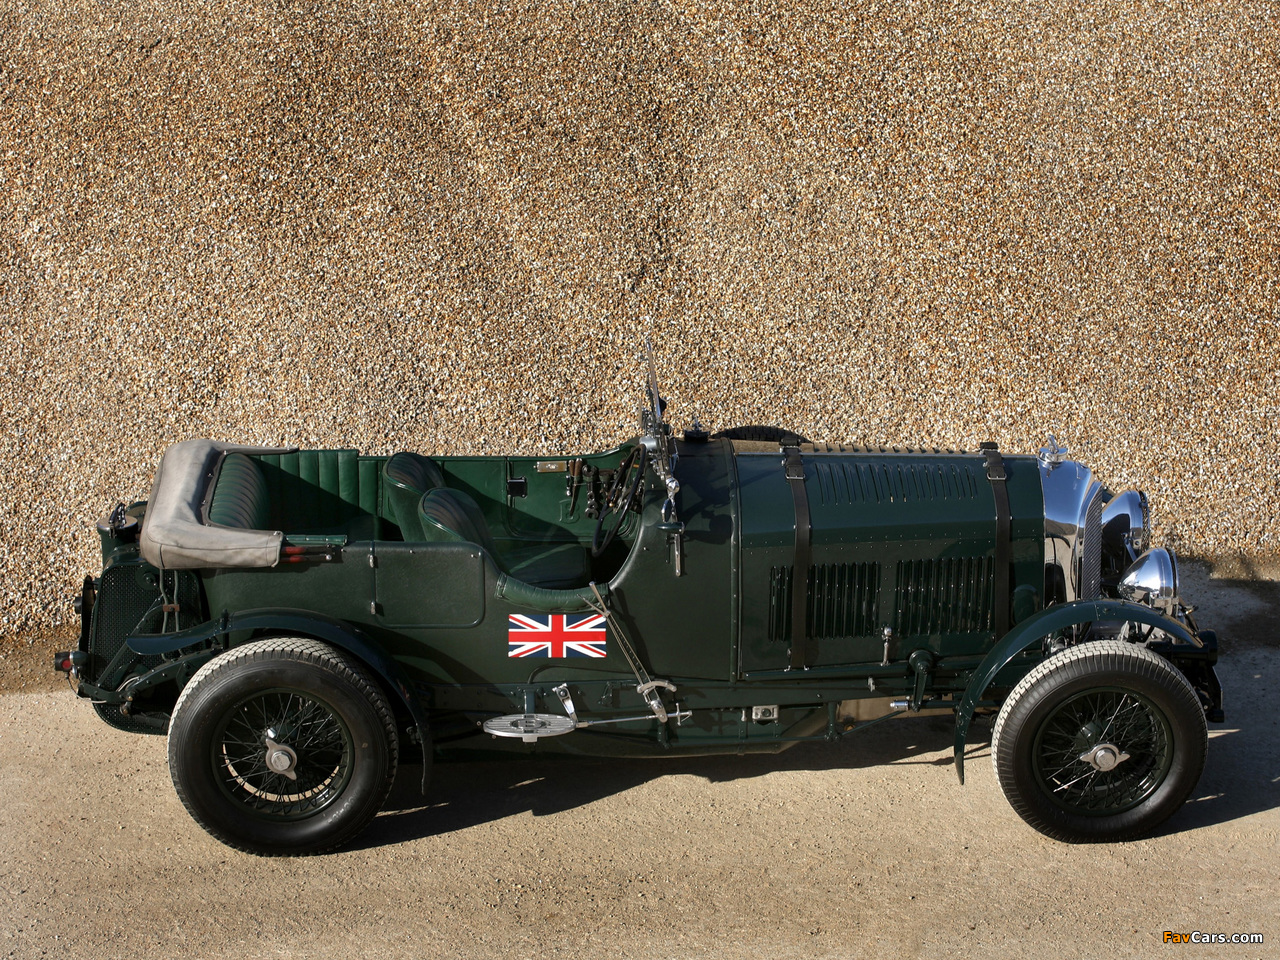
(900, 539)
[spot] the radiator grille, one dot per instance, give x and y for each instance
(842, 600)
(1091, 553)
(951, 595)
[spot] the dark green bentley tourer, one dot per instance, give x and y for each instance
(295, 619)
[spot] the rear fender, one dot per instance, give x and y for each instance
(287, 622)
(1035, 629)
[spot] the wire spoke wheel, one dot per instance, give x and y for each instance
(1102, 742)
(292, 726)
(1103, 752)
(282, 747)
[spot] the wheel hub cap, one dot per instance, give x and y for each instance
(281, 759)
(1104, 757)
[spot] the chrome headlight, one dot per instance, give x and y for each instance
(1151, 579)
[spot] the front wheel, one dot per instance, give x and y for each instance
(1102, 742)
(282, 747)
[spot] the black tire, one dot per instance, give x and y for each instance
(328, 724)
(1134, 709)
(760, 433)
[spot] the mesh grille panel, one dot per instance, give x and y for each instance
(123, 598)
(128, 603)
(1091, 554)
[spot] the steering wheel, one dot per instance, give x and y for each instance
(618, 498)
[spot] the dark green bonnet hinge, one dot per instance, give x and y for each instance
(800, 643)
(1004, 534)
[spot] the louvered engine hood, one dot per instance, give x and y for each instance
(900, 539)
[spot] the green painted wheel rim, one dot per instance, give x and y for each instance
(1105, 716)
(307, 726)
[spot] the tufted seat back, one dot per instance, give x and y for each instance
(406, 477)
(240, 495)
(304, 493)
(414, 471)
(451, 515)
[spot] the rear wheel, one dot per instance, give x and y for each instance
(1102, 742)
(282, 747)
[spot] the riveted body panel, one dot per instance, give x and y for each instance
(904, 541)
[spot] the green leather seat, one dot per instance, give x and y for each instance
(449, 515)
(240, 495)
(304, 494)
(405, 478)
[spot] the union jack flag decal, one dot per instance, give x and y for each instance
(555, 635)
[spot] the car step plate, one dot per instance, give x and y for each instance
(529, 726)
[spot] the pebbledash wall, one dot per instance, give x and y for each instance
(448, 228)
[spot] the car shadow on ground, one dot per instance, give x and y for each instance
(467, 793)
(1237, 782)
(1241, 776)
(1240, 601)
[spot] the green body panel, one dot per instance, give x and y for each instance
(426, 587)
(904, 541)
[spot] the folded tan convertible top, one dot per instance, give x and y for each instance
(174, 533)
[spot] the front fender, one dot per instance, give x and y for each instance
(283, 621)
(1042, 625)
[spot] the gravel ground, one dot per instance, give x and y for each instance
(447, 227)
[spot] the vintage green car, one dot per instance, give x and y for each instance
(295, 619)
